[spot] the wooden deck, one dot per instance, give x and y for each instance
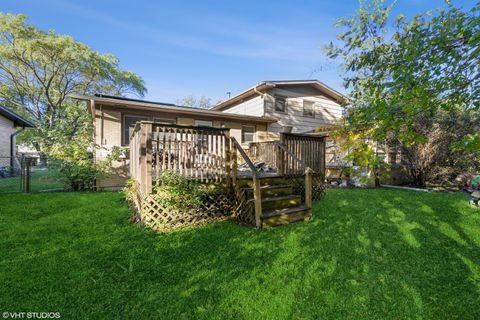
(211, 156)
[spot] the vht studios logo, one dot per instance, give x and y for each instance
(31, 315)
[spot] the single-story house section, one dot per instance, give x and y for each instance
(10, 125)
(115, 118)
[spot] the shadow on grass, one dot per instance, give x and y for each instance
(365, 254)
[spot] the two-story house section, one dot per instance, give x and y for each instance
(299, 105)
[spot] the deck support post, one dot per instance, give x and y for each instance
(257, 196)
(281, 157)
(308, 187)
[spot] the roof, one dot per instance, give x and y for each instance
(17, 120)
(265, 85)
(169, 108)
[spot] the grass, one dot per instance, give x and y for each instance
(376, 254)
(42, 179)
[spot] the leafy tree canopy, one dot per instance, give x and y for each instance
(39, 70)
(404, 71)
(194, 102)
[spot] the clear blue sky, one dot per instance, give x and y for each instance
(207, 47)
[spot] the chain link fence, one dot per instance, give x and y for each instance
(23, 174)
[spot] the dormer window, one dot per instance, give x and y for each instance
(280, 103)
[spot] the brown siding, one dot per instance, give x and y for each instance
(108, 133)
(6, 130)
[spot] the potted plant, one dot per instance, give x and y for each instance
(345, 176)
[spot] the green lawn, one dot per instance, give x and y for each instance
(42, 179)
(375, 254)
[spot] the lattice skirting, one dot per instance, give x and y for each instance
(215, 206)
(298, 182)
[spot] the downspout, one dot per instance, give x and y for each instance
(262, 94)
(12, 147)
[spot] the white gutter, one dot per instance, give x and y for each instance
(262, 94)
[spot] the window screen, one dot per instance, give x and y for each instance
(248, 134)
(280, 103)
(203, 123)
(308, 109)
(128, 126)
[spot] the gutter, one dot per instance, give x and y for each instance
(262, 94)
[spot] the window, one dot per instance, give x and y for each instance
(128, 126)
(248, 134)
(160, 135)
(164, 121)
(308, 109)
(129, 122)
(202, 140)
(203, 123)
(280, 103)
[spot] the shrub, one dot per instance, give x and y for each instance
(177, 192)
(130, 191)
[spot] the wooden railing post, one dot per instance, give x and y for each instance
(234, 164)
(228, 159)
(146, 158)
(280, 157)
(257, 197)
(308, 187)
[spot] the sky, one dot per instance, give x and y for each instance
(208, 48)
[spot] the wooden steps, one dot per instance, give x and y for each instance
(271, 218)
(279, 205)
(272, 191)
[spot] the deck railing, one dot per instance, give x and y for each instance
(210, 155)
(264, 152)
(307, 149)
(200, 153)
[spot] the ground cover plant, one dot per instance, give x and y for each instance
(376, 254)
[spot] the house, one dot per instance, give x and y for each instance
(10, 125)
(298, 105)
(256, 115)
(114, 119)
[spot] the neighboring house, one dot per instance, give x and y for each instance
(10, 125)
(299, 105)
(255, 115)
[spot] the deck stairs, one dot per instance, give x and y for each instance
(280, 205)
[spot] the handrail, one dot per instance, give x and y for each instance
(257, 193)
(244, 155)
(281, 146)
(308, 175)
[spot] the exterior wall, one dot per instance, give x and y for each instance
(109, 130)
(327, 112)
(251, 107)
(6, 130)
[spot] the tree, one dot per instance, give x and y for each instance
(38, 72)
(194, 102)
(401, 80)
